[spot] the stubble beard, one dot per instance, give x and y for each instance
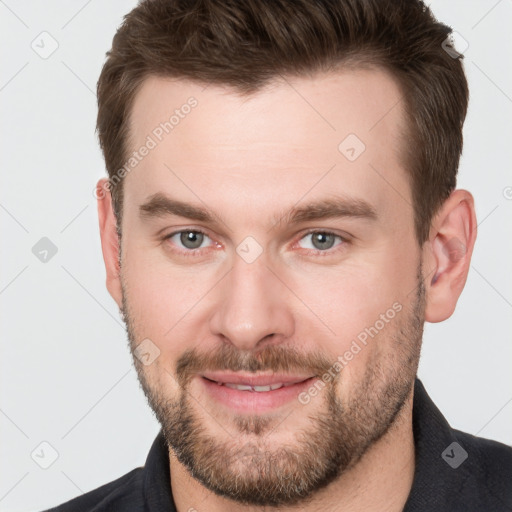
(249, 468)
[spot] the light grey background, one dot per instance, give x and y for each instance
(66, 373)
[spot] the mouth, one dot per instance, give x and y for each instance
(255, 394)
(262, 388)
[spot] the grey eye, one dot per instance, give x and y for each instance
(321, 240)
(191, 239)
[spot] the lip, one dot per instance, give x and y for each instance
(255, 402)
(255, 380)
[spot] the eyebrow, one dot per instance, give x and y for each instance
(160, 205)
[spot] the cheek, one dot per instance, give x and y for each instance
(165, 301)
(348, 294)
(159, 290)
(346, 304)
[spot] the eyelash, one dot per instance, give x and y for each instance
(191, 253)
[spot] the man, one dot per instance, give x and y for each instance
(279, 221)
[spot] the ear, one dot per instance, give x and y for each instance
(109, 240)
(448, 254)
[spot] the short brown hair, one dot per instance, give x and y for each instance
(246, 44)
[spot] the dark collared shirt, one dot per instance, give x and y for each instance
(455, 471)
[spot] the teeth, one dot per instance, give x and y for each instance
(260, 389)
(240, 387)
(270, 387)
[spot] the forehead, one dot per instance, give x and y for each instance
(295, 137)
(326, 104)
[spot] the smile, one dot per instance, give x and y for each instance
(254, 394)
(258, 389)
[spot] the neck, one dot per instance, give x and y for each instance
(380, 481)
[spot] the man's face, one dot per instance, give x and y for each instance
(257, 291)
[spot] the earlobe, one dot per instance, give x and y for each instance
(109, 240)
(448, 255)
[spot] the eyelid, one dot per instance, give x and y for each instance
(191, 252)
(345, 238)
(328, 231)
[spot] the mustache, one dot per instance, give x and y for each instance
(271, 358)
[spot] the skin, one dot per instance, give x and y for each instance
(296, 306)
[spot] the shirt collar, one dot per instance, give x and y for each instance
(157, 478)
(435, 480)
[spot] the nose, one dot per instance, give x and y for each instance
(253, 306)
